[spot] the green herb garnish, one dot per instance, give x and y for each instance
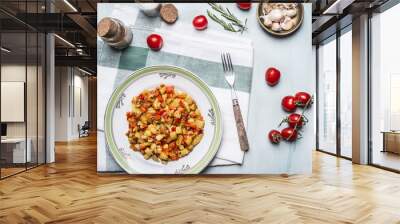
(234, 24)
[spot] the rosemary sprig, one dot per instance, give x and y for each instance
(227, 26)
(225, 13)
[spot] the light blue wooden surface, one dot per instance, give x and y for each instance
(293, 57)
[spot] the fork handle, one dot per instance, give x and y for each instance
(244, 143)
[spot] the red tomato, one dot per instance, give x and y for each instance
(169, 89)
(289, 134)
(295, 120)
(155, 42)
(200, 22)
(303, 99)
(288, 104)
(272, 76)
(275, 136)
(244, 5)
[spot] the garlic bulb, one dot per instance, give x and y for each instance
(276, 27)
(287, 24)
(266, 21)
(295, 20)
(276, 15)
(267, 8)
(291, 12)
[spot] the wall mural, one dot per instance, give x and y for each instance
(197, 88)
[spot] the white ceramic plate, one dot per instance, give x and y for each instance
(150, 77)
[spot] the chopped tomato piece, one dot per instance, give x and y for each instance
(169, 89)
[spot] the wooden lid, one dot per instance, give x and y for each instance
(107, 27)
(169, 13)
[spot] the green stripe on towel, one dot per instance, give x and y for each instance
(210, 72)
(133, 58)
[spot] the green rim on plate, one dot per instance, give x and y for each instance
(112, 146)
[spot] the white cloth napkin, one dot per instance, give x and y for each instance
(208, 45)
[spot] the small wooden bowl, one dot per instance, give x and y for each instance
(300, 16)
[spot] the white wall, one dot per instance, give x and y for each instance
(16, 73)
(33, 127)
(71, 93)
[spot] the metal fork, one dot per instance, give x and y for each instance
(230, 79)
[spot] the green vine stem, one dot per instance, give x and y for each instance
(302, 115)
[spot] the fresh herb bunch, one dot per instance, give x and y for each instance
(234, 24)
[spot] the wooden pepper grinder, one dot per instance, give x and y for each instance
(114, 33)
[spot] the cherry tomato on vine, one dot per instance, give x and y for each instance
(303, 99)
(275, 136)
(295, 120)
(289, 134)
(289, 104)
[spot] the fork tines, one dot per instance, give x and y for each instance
(226, 62)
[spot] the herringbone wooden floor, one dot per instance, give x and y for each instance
(70, 191)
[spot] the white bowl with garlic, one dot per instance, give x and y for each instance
(280, 19)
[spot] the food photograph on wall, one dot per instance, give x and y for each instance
(205, 88)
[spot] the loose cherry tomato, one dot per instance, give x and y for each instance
(244, 5)
(303, 99)
(275, 136)
(289, 134)
(200, 22)
(288, 104)
(155, 42)
(272, 76)
(295, 120)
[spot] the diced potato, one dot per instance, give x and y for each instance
(148, 151)
(147, 156)
(162, 89)
(179, 140)
(174, 104)
(136, 111)
(178, 130)
(187, 107)
(163, 156)
(173, 135)
(199, 124)
(151, 110)
(159, 137)
(183, 152)
(188, 139)
(189, 100)
(177, 114)
(143, 119)
(156, 104)
(197, 139)
(153, 129)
